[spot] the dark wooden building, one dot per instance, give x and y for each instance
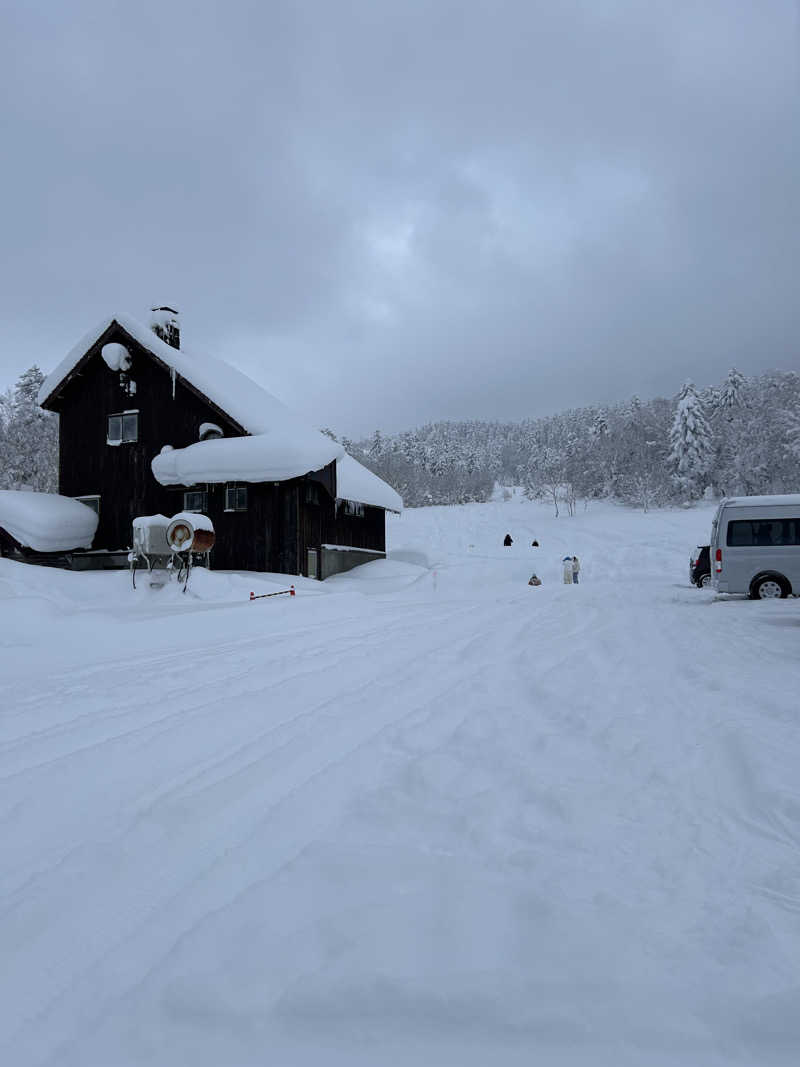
(147, 427)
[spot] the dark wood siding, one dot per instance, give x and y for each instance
(121, 474)
(282, 520)
(348, 530)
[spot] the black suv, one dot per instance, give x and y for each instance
(700, 566)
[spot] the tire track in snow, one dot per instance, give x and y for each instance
(322, 766)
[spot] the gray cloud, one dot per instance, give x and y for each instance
(391, 212)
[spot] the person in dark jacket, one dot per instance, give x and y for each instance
(507, 541)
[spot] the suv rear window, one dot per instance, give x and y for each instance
(763, 533)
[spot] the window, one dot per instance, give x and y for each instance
(92, 502)
(352, 507)
(311, 494)
(763, 533)
(235, 498)
(195, 500)
(123, 428)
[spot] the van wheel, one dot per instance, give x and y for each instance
(768, 588)
(704, 582)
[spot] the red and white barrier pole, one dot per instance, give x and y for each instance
(281, 592)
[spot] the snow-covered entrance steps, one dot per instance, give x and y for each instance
(422, 813)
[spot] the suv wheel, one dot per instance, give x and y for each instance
(704, 582)
(769, 588)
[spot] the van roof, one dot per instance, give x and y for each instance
(785, 500)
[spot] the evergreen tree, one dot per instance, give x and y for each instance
(30, 439)
(690, 443)
(730, 395)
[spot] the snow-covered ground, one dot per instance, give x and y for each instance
(421, 813)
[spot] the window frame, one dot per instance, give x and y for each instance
(203, 509)
(234, 487)
(122, 439)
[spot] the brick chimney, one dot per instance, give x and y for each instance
(164, 323)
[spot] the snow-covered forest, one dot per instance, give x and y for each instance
(742, 437)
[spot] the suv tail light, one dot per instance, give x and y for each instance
(718, 558)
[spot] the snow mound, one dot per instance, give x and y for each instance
(46, 522)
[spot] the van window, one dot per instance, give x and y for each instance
(763, 533)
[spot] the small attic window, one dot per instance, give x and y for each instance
(209, 431)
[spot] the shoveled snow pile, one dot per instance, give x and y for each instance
(355, 482)
(46, 522)
(288, 451)
(420, 813)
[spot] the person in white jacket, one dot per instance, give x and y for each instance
(567, 562)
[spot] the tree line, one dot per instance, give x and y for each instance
(742, 437)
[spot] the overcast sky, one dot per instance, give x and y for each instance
(391, 212)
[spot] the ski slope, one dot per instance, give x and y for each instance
(420, 813)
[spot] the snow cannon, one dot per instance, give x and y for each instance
(190, 532)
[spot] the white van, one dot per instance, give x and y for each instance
(755, 546)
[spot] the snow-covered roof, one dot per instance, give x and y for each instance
(355, 482)
(270, 458)
(46, 522)
(246, 402)
(281, 445)
(289, 451)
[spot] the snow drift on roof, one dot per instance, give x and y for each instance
(272, 458)
(289, 451)
(256, 410)
(355, 482)
(46, 522)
